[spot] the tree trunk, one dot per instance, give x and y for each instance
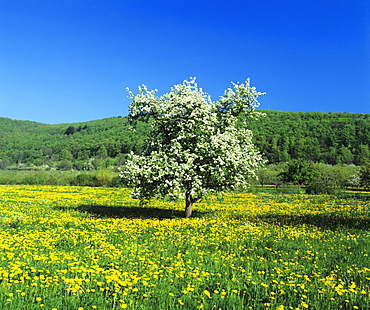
(188, 205)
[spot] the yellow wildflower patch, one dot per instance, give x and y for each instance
(96, 248)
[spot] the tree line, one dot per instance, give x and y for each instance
(328, 138)
(81, 146)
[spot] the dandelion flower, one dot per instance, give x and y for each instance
(207, 293)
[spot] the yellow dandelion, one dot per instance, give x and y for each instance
(304, 305)
(207, 293)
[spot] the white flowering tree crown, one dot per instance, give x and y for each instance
(194, 144)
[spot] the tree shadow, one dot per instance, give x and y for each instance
(133, 212)
(321, 221)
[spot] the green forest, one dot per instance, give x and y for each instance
(81, 146)
(328, 138)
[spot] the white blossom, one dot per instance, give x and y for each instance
(194, 145)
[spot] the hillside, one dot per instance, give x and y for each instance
(25, 142)
(334, 138)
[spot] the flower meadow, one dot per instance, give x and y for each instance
(96, 248)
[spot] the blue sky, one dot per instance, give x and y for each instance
(65, 61)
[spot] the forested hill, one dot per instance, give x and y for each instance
(334, 138)
(68, 145)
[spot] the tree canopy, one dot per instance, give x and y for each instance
(194, 145)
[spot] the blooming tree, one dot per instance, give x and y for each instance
(194, 145)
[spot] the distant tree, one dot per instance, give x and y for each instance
(298, 148)
(65, 165)
(298, 172)
(120, 159)
(327, 179)
(194, 145)
(364, 174)
(330, 156)
(48, 152)
(70, 130)
(345, 155)
(268, 175)
(4, 163)
(363, 154)
(102, 152)
(83, 154)
(65, 155)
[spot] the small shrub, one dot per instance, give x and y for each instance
(116, 181)
(65, 165)
(328, 180)
(364, 174)
(8, 177)
(317, 188)
(84, 179)
(37, 178)
(104, 177)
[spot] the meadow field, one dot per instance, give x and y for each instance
(64, 248)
